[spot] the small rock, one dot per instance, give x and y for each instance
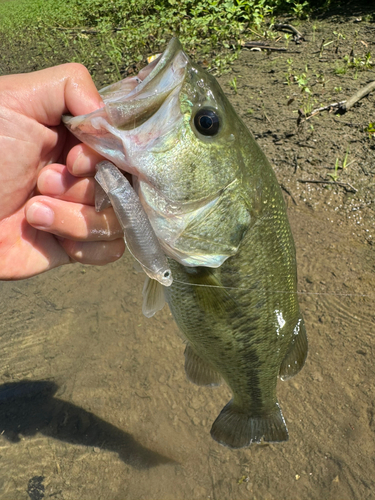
(317, 376)
(195, 420)
(195, 404)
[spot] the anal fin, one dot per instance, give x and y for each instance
(296, 356)
(199, 371)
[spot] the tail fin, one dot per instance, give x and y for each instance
(236, 429)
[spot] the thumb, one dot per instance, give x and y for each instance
(47, 94)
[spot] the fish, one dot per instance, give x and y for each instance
(214, 203)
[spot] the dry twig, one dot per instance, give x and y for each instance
(263, 46)
(343, 106)
(289, 193)
(345, 185)
(329, 107)
(288, 27)
(357, 96)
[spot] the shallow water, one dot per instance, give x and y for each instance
(94, 403)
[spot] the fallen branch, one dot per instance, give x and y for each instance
(288, 27)
(263, 46)
(358, 96)
(329, 107)
(345, 185)
(343, 106)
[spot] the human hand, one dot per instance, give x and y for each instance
(47, 215)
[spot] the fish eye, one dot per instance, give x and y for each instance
(207, 122)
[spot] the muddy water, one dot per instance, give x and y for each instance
(95, 405)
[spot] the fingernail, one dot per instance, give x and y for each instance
(77, 165)
(40, 215)
(50, 182)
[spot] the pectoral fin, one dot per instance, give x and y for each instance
(153, 297)
(297, 353)
(210, 294)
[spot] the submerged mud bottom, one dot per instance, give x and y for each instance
(116, 417)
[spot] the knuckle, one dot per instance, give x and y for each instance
(77, 69)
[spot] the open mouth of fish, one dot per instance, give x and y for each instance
(138, 110)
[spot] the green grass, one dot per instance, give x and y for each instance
(114, 37)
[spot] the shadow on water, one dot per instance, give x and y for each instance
(29, 407)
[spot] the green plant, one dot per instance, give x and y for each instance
(302, 81)
(343, 166)
(339, 35)
(320, 79)
(357, 63)
(233, 84)
(287, 37)
(114, 37)
(93, 31)
(341, 70)
(362, 63)
(371, 130)
(335, 175)
(308, 105)
(300, 9)
(323, 46)
(345, 161)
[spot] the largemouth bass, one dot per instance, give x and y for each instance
(214, 203)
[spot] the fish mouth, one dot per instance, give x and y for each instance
(137, 110)
(135, 100)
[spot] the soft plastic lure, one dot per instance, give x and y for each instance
(140, 238)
